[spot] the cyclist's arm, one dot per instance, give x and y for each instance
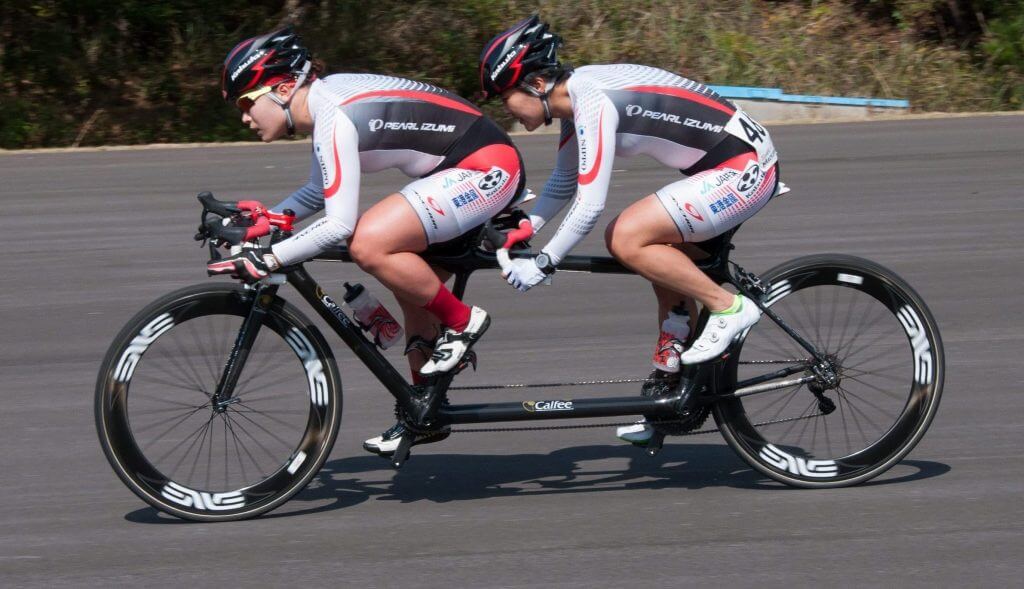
(561, 185)
(596, 152)
(309, 198)
(336, 145)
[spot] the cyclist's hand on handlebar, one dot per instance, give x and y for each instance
(249, 265)
(523, 273)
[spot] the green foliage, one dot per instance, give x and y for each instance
(1003, 46)
(144, 71)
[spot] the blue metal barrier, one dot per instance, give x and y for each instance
(776, 94)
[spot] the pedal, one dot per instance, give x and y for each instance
(655, 443)
(468, 359)
(402, 452)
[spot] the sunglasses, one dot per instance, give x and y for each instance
(248, 99)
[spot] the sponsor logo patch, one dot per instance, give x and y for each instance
(433, 204)
(314, 368)
(334, 308)
(492, 179)
(323, 165)
(635, 110)
(380, 124)
(465, 198)
(426, 207)
(541, 406)
(717, 180)
(248, 61)
(202, 500)
(453, 179)
(798, 465)
(140, 343)
(692, 210)
(686, 219)
(507, 60)
(727, 200)
(751, 178)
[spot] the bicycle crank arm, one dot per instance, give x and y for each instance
(402, 451)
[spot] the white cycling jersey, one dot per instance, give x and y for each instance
(628, 110)
(368, 123)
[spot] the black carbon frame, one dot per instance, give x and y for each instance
(424, 409)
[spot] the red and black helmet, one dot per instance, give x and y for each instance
(525, 48)
(262, 61)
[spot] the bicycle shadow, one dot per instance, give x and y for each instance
(442, 478)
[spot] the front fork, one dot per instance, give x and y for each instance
(263, 297)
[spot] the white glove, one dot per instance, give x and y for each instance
(524, 274)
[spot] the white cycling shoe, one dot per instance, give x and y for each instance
(639, 433)
(386, 443)
(453, 345)
(721, 331)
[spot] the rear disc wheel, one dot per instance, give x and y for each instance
(884, 347)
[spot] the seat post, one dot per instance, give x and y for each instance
(459, 288)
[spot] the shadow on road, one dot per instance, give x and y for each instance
(459, 477)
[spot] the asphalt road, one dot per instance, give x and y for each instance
(90, 238)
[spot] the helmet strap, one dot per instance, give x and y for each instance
(289, 122)
(285, 104)
(549, 87)
(547, 109)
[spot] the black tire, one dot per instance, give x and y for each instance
(258, 452)
(857, 312)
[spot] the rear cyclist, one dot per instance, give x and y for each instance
(624, 109)
(467, 170)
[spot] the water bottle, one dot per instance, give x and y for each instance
(676, 325)
(372, 316)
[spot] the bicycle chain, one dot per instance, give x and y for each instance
(589, 425)
(597, 382)
(548, 385)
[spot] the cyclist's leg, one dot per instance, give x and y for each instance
(694, 210)
(655, 237)
(386, 243)
(451, 203)
(421, 329)
(448, 204)
(641, 237)
(675, 320)
(667, 298)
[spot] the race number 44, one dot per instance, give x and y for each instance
(754, 131)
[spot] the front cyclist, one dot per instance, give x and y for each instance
(624, 109)
(467, 170)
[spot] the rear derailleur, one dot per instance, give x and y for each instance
(827, 377)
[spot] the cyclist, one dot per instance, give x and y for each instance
(623, 109)
(467, 170)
